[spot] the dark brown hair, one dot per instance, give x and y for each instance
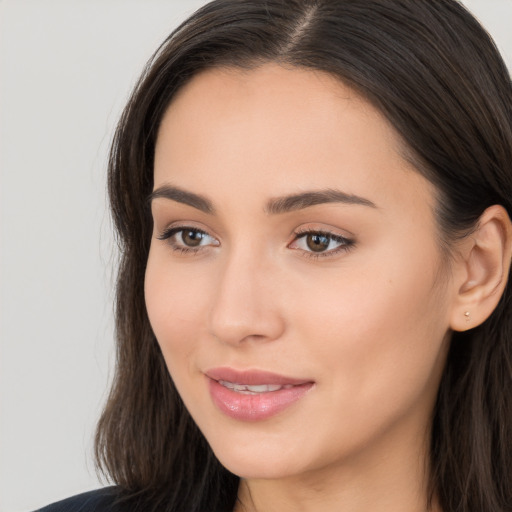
(437, 76)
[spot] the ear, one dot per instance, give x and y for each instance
(483, 269)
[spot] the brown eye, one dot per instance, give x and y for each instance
(321, 243)
(185, 239)
(317, 242)
(192, 238)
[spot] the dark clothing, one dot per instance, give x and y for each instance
(100, 500)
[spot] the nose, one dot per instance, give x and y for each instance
(245, 306)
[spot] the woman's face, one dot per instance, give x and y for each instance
(294, 282)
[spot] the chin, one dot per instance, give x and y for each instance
(260, 459)
(257, 468)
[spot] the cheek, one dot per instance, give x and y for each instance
(175, 306)
(379, 331)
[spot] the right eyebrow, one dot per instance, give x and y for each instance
(182, 196)
(312, 198)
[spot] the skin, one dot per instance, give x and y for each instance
(369, 323)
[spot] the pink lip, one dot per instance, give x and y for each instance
(254, 407)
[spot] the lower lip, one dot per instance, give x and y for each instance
(255, 407)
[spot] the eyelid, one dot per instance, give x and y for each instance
(170, 231)
(178, 225)
(315, 227)
(346, 242)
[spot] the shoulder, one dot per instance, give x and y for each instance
(100, 500)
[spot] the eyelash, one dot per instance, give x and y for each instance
(168, 235)
(346, 243)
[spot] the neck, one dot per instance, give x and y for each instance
(392, 480)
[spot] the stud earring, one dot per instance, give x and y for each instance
(467, 315)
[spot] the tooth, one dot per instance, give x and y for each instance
(262, 388)
(257, 389)
(252, 389)
(232, 385)
(226, 384)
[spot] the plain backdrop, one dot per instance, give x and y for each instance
(66, 68)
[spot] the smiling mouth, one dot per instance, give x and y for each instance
(254, 395)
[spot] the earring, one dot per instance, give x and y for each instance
(467, 315)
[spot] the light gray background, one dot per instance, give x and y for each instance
(66, 68)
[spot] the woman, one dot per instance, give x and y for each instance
(313, 204)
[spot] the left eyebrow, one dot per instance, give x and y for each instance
(183, 196)
(312, 198)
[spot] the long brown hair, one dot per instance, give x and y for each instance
(437, 76)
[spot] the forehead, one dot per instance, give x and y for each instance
(271, 128)
(291, 93)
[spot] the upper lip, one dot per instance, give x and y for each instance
(252, 377)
